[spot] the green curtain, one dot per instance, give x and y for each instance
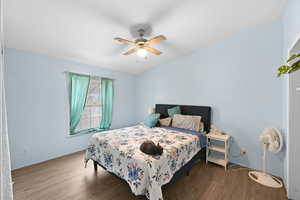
(107, 93)
(78, 95)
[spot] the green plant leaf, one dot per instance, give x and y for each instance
(295, 67)
(295, 64)
(284, 69)
(293, 57)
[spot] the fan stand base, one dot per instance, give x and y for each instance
(265, 179)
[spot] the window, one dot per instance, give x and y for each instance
(91, 115)
(91, 103)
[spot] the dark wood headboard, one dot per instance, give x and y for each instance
(203, 111)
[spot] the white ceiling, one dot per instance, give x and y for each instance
(83, 30)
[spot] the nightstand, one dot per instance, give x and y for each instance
(217, 149)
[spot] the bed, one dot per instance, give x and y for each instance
(117, 151)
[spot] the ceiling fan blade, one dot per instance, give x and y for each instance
(125, 41)
(130, 51)
(152, 50)
(156, 39)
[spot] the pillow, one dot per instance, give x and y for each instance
(152, 119)
(173, 111)
(165, 121)
(190, 122)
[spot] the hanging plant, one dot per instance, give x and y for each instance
(287, 69)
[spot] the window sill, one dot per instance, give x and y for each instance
(84, 133)
(79, 134)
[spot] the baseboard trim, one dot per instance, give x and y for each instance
(41, 162)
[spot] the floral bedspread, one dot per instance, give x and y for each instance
(118, 151)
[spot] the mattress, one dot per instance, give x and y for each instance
(118, 151)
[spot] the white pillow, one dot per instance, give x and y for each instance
(190, 122)
(165, 121)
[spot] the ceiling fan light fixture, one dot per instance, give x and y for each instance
(141, 45)
(142, 53)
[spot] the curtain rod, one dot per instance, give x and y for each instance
(66, 72)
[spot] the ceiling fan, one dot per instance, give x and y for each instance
(142, 45)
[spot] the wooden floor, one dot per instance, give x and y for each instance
(66, 178)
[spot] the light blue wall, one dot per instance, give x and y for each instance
(291, 32)
(37, 106)
(291, 25)
(237, 78)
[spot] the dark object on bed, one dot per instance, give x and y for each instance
(148, 147)
(203, 111)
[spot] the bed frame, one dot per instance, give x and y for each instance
(204, 112)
